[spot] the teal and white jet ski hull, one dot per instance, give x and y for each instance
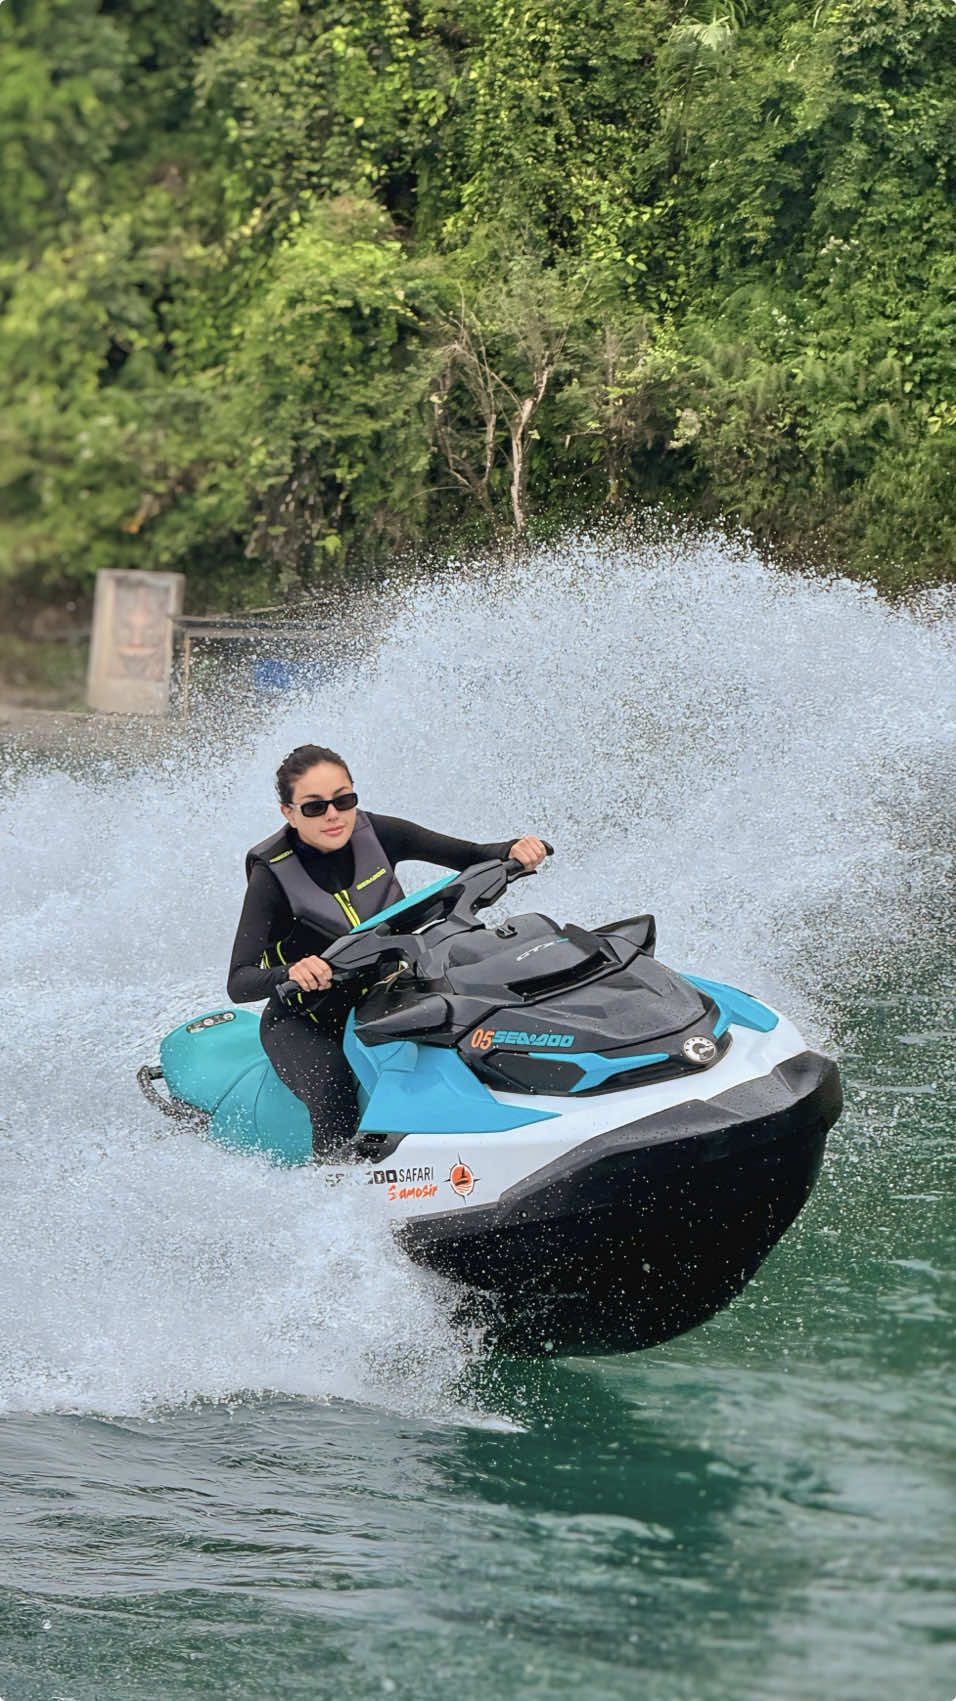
(592, 1198)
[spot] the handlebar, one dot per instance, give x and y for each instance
(287, 989)
(517, 870)
(368, 947)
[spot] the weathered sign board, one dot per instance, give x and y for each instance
(131, 651)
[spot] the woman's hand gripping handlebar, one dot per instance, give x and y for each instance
(311, 974)
(533, 851)
(360, 952)
(530, 851)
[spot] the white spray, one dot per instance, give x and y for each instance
(759, 758)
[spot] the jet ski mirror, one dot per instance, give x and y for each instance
(426, 1015)
(354, 953)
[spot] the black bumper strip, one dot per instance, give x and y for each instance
(801, 1095)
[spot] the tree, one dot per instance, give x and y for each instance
(496, 360)
(287, 281)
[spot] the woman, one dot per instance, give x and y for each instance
(329, 868)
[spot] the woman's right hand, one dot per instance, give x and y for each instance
(313, 974)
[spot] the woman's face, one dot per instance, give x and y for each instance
(333, 829)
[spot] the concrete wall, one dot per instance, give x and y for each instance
(131, 651)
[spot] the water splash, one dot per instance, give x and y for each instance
(760, 758)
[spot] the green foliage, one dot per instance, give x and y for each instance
(501, 359)
(63, 71)
(322, 390)
(285, 282)
(317, 100)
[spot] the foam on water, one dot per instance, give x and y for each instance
(759, 758)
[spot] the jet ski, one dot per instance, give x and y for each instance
(601, 1149)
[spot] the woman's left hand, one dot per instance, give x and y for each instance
(529, 851)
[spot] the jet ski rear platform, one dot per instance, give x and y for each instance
(602, 1150)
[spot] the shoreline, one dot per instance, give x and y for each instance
(87, 733)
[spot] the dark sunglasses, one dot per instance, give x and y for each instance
(318, 805)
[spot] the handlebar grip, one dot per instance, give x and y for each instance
(288, 989)
(518, 868)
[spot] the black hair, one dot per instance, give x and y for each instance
(299, 761)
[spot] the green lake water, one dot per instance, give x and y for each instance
(242, 1453)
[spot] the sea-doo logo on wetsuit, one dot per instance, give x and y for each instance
(484, 1038)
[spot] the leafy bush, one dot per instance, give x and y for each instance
(287, 283)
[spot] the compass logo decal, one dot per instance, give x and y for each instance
(461, 1179)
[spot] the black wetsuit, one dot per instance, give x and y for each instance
(308, 1055)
